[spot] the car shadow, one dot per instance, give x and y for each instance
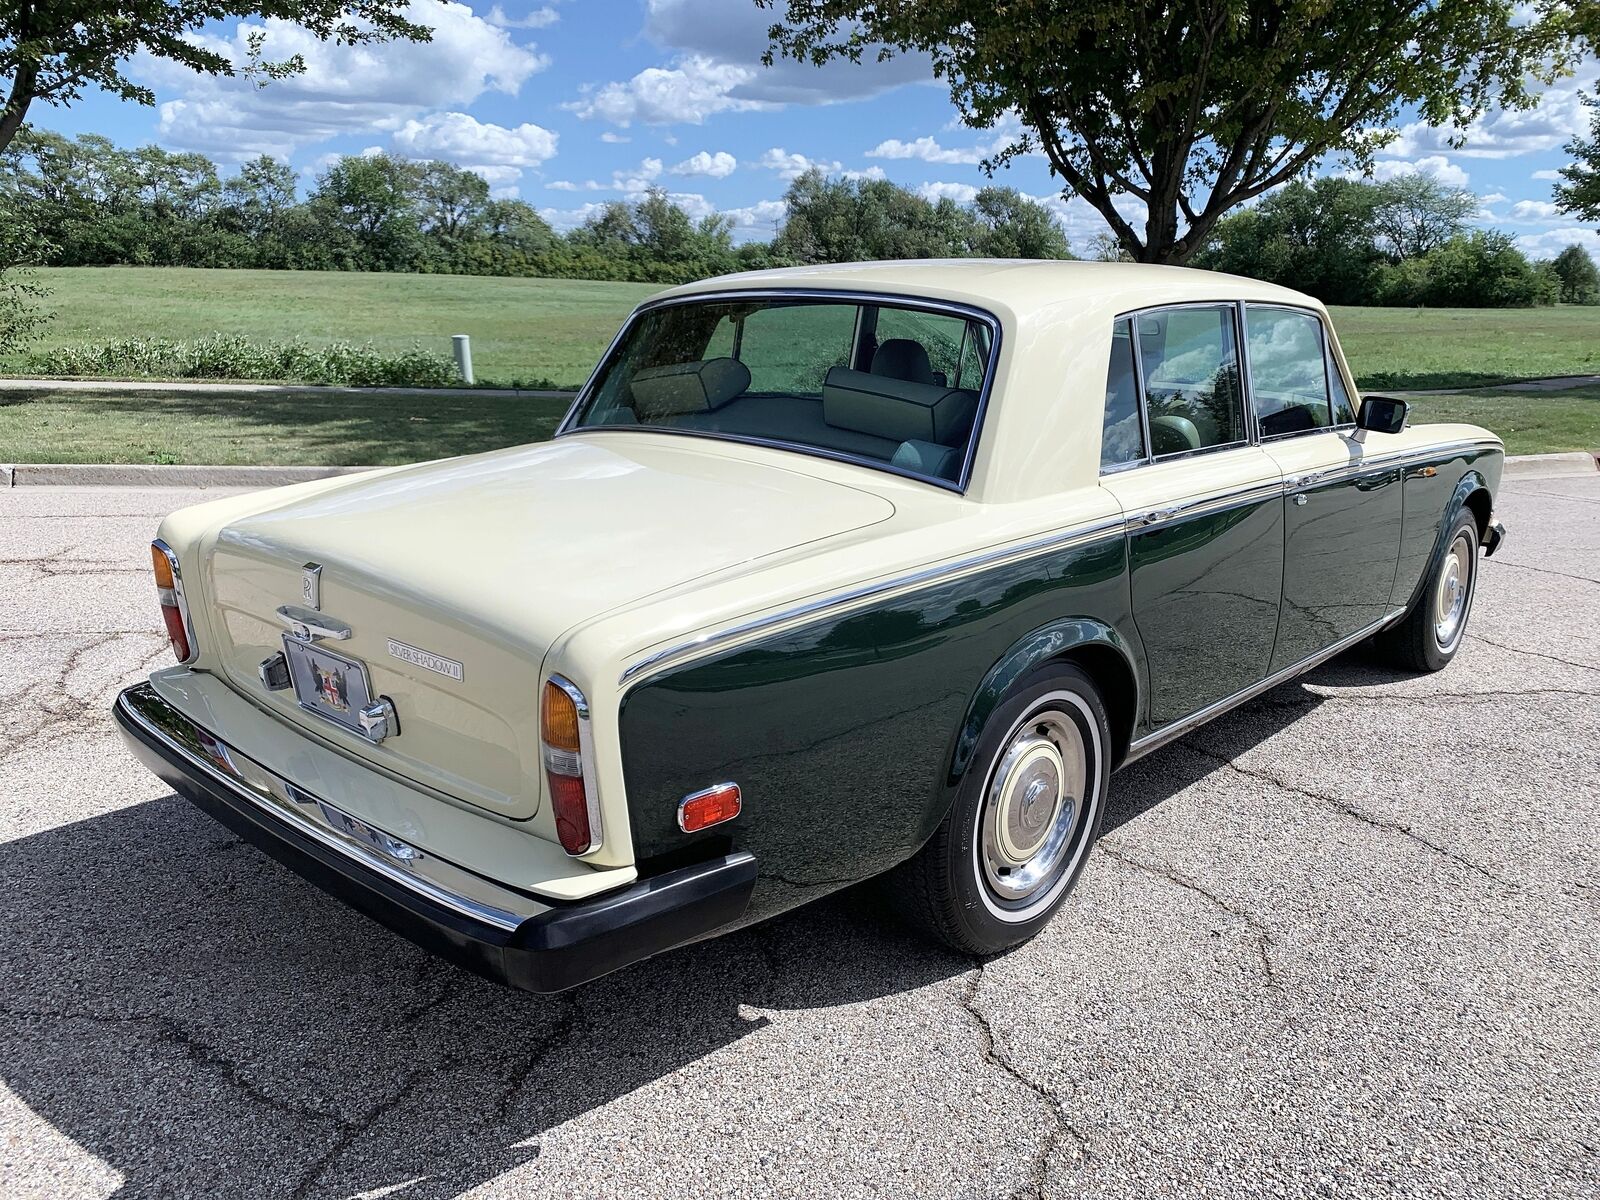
(203, 1022)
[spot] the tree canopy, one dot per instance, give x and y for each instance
(1579, 193)
(1166, 116)
(50, 50)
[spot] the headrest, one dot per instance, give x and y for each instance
(902, 358)
(925, 458)
(1172, 434)
(895, 409)
(690, 387)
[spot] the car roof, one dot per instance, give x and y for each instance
(1020, 287)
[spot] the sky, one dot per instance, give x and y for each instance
(569, 104)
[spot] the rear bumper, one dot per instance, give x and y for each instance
(507, 935)
(1494, 535)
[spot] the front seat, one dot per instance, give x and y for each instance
(902, 358)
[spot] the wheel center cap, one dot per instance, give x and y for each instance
(1031, 798)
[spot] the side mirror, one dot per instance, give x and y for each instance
(1380, 414)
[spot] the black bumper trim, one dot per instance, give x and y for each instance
(561, 947)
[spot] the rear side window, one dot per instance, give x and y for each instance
(1288, 371)
(1121, 438)
(1191, 379)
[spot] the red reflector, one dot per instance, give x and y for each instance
(176, 633)
(571, 808)
(710, 807)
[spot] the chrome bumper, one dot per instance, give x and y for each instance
(483, 925)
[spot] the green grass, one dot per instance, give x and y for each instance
(302, 428)
(521, 329)
(1528, 422)
(311, 428)
(1467, 347)
(529, 329)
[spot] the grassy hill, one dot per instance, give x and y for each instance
(554, 329)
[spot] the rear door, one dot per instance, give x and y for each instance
(1203, 506)
(1341, 514)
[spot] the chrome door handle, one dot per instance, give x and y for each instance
(308, 626)
(1300, 498)
(1156, 516)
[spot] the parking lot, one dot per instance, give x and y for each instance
(1342, 942)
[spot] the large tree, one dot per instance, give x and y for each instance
(1164, 116)
(1415, 213)
(1579, 194)
(50, 50)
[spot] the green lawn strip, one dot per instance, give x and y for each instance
(1528, 422)
(314, 428)
(1405, 348)
(307, 428)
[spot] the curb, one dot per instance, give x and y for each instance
(143, 475)
(273, 389)
(1518, 466)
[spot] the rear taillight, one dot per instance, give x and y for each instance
(174, 606)
(569, 765)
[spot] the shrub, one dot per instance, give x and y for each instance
(236, 357)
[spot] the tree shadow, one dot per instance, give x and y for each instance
(202, 1021)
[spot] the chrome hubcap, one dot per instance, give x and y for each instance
(1450, 598)
(1034, 804)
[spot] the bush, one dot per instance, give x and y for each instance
(1471, 270)
(235, 357)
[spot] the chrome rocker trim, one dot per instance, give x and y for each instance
(1176, 729)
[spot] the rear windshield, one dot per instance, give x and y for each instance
(890, 385)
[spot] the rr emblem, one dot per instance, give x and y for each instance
(311, 585)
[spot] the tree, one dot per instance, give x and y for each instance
(452, 201)
(1578, 278)
(367, 203)
(20, 291)
(1480, 269)
(1009, 225)
(855, 220)
(1193, 109)
(1414, 213)
(1580, 194)
(50, 50)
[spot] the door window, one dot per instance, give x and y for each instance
(1191, 379)
(1288, 371)
(1121, 438)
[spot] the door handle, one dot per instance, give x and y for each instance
(1156, 516)
(1300, 498)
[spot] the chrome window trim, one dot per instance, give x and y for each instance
(1084, 534)
(823, 295)
(1322, 343)
(1144, 459)
(586, 765)
(455, 888)
(1144, 405)
(180, 599)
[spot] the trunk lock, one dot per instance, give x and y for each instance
(379, 720)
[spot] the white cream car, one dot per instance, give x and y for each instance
(829, 573)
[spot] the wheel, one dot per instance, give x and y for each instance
(1430, 634)
(1024, 819)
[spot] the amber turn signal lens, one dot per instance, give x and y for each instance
(558, 719)
(172, 613)
(710, 807)
(163, 566)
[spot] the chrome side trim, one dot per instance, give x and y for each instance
(1175, 730)
(1082, 535)
(179, 598)
(586, 767)
(396, 860)
(1254, 493)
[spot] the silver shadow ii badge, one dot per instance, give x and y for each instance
(311, 585)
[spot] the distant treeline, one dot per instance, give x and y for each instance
(87, 202)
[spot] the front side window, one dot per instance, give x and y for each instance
(1191, 379)
(887, 384)
(1288, 371)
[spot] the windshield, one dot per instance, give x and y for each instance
(891, 385)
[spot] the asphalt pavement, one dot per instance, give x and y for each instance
(1342, 942)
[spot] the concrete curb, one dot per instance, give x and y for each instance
(1518, 466)
(271, 389)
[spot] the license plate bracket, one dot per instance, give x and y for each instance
(334, 686)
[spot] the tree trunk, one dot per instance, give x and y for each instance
(16, 109)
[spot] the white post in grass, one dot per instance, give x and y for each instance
(463, 347)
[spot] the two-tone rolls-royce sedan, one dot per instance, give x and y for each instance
(829, 573)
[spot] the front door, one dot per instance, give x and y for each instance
(1203, 509)
(1342, 514)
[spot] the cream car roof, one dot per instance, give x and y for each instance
(1041, 431)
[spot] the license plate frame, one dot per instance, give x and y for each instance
(334, 686)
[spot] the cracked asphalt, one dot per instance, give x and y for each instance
(1342, 942)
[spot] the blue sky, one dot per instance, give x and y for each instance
(570, 104)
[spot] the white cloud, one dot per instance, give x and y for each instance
(1559, 116)
(615, 139)
(1440, 167)
(1494, 198)
(792, 166)
(1553, 241)
(344, 89)
(719, 165)
(493, 151)
(688, 93)
(961, 193)
(630, 181)
(1550, 175)
(759, 219)
(928, 150)
(570, 218)
(1535, 212)
(539, 18)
